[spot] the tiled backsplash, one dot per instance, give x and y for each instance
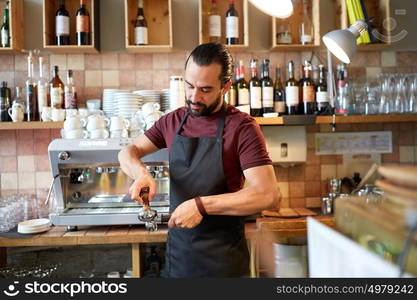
(24, 163)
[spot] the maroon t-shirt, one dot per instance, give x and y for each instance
(243, 141)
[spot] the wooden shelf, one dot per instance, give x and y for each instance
(347, 119)
(242, 10)
(158, 14)
(294, 22)
(16, 25)
(30, 125)
(49, 9)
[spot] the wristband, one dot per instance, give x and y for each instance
(200, 206)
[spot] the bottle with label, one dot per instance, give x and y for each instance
(343, 100)
(32, 111)
(306, 26)
(141, 26)
(5, 28)
(284, 36)
(56, 90)
(231, 96)
(214, 23)
(232, 24)
(322, 95)
(83, 25)
(255, 91)
(242, 87)
(279, 94)
(4, 102)
(267, 89)
(308, 91)
(43, 87)
(70, 93)
(292, 93)
(62, 25)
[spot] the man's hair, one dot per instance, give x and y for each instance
(206, 54)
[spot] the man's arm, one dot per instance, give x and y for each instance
(260, 193)
(129, 158)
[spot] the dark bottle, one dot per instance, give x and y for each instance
(291, 91)
(232, 24)
(5, 96)
(267, 89)
(242, 87)
(357, 178)
(255, 90)
(279, 94)
(5, 28)
(56, 90)
(141, 26)
(83, 25)
(322, 95)
(32, 108)
(308, 91)
(62, 25)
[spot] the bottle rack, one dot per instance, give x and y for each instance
(158, 14)
(49, 9)
(294, 22)
(16, 25)
(223, 5)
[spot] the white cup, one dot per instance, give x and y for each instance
(135, 133)
(136, 124)
(93, 104)
(74, 123)
(118, 123)
(57, 114)
(98, 134)
(116, 134)
(74, 134)
(71, 112)
(83, 112)
(46, 113)
(16, 112)
(153, 117)
(149, 108)
(97, 122)
(96, 112)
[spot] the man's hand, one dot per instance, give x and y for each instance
(186, 215)
(145, 180)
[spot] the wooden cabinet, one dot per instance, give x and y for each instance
(16, 25)
(242, 10)
(158, 14)
(49, 10)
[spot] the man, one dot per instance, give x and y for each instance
(213, 148)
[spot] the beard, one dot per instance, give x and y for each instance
(204, 110)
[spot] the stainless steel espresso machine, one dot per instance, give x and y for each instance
(91, 189)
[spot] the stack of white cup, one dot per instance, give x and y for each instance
(73, 128)
(151, 113)
(96, 126)
(118, 127)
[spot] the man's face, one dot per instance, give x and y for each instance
(203, 89)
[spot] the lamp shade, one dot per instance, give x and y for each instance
(277, 8)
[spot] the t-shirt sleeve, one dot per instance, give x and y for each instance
(157, 133)
(251, 145)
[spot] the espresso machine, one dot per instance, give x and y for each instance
(91, 189)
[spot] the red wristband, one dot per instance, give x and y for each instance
(200, 206)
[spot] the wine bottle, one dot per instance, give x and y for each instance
(232, 24)
(83, 25)
(32, 112)
(231, 96)
(62, 25)
(43, 90)
(5, 28)
(242, 87)
(308, 90)
(279, 94)
(267, 89)
(322, 95)
(5, 96)
(255, 91)
(141, 26)
(70, 93)
(56, 90)
(291, 91)
(306, 26)
(214, 23)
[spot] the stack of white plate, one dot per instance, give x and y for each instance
(108, 101)
(34, 226)
(165, 100)
(127, 104)
(149, 95)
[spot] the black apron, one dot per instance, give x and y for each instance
(217, 246)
